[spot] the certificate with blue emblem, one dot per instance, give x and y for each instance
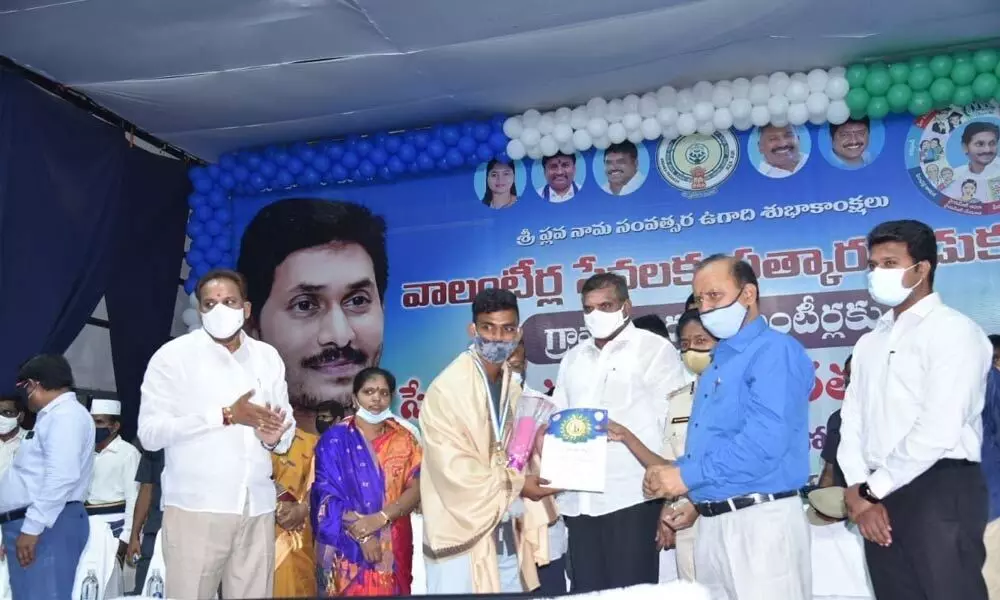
(575, 451)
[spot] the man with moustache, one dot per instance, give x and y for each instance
(560, 175)
(215, 400)
(621, 165)
(849, 141)
(780, 152)
(979, 142)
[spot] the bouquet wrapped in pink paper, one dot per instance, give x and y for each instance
(533, 412)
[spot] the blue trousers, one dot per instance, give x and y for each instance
(51, 575)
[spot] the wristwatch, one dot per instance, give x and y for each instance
(866, 492)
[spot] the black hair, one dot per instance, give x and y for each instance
(973, 182)
(653, 324)
(863, 120)
(287, 226)
(741, 271)
(606, 280)
(51, 371)
(14, 397)
(546, 159)
(227, 274)
(337, 410)
(690, 300)
(687, 317)
(488, 194)
(995, 340)
(491, 300)
(625, 147)
(921, 244)
(976, 127)
(368, 373)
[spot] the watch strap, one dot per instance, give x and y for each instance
(865, 492)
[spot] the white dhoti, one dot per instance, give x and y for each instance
(5, 591)
(100, 558)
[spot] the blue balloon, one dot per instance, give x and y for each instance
(268, 169)
(413, 168)
(379, 139)
(301, 181)
(396, 165)
(257, 181)
(352, 141)
(466, 145)
(450, 135)
(407, 153)
(421, 139)
(335, 151)
(281, 158)
(392, 144)
(322, 163)
(227, 181)
(502, 156)
(227, 162)
(190, 284)
(436, 149)
(367, 169)
(223, 241)
(217, 198)
(254, 160)
(308, 154)
(435, 131)
(409, 137)
(498, 141)
(454, 157)
(196, 173)
(212, 227)
(350, 160)
(214, 171)
(241, 173)
(339, 173)
(484, 153)
(196, 200)
(213, 256)
(203, 185)
(295, 166)
(356, 176)
(222, 215)
(468, 127)
(311, 177)
(201, 268)
(285, 178)
(497, 121)
(482, 132)
(378, 156)
(227, 260)
(203, 241)
(425, 162)
(363, 147)
(194, 228)
(203, 213)
(271, 151)
(243, 157)
(443, 165)
(385, 173)
(298, 148)
(195, 256)
(472, 160)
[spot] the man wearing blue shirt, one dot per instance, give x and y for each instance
(44, 524)
(747, 453)
(991, 472)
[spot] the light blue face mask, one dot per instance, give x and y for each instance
(373, 418)
(725, 322)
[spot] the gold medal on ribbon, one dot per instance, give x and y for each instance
(499, 456)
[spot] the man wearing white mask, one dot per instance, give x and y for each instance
(11, 434)
(216, 402)
(629, 372)
(911, 431)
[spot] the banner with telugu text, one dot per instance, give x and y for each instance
(795, 202)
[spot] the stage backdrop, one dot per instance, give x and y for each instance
(795, 202)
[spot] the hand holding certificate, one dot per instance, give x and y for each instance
(575, 450)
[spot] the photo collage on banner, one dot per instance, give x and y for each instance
(796, 202)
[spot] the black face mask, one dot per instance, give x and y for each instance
(101, 434)
(322, 425)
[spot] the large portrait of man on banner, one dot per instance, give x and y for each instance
(316, 274)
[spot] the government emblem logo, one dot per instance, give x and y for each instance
(698, 164)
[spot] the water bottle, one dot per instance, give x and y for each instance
(155, 585)
(90, 588)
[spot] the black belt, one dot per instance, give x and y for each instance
(17, 515)
(105, 509)
(714, 509)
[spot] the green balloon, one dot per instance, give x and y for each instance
(963, 73)
(856, 75)
(941, 65)
(919, 61)
(899, 72)
(962, 57)
(878, 107)
(899, 97)
(983, 85)
(860, 113)
(985, 60)
(920, 104)
(920, 78)
(942, 90)
(963, 95)
(857, 99)
(997, 70)
(996, 94)
(878, 81)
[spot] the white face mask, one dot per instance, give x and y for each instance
(7, 424)
(222, 321)
(374, 418)
(602, 325)
(886, 286)
(725, 321)
(517, 378)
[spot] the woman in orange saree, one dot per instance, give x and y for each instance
(366, 486)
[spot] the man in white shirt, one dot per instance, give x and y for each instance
(621, 166)
(11, 434)
(979, 142)
(780, 151)
(629, 372)
(44, 523)
(216, 402)
(911, 431)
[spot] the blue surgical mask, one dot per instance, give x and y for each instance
(494, 351)
(725, 322)
(101, 434)
(373, 418)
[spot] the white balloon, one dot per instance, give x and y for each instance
(631, 103)
(615, 112)
(723, 119)
(632, 121)
(666, 95)
(568, 148)
(686, 124)
(759, 94)
(703, 111)
(597, 127)
(516, 149)
(722, 96)
(816, 79)
(648, 105)
(548, 145)
(817, 119)
(579, 118)
(778, 82)
(779, 121)
(535, 153)
(838, 112)
(797, 92)
(563, 114)
(596, 107)
(562, 133)
(530, 137)
(684, 101)
(741, 87)
(703, 90)
(724, 83)
(706, 128)
(581, 140)
(602, 143)
(798, 114)
(743, 124)
(617, 133)
(817, 103)
(651, 128)
(760, 116)
(778, 106)
(191, 317)
(530, 118)
(546, 124)
(760, 79)
(837, 72)
(670, 133)
(837, 88)
(512, 127)
(740, 108)
(635, 136)
(667, 116)
(800, 77)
